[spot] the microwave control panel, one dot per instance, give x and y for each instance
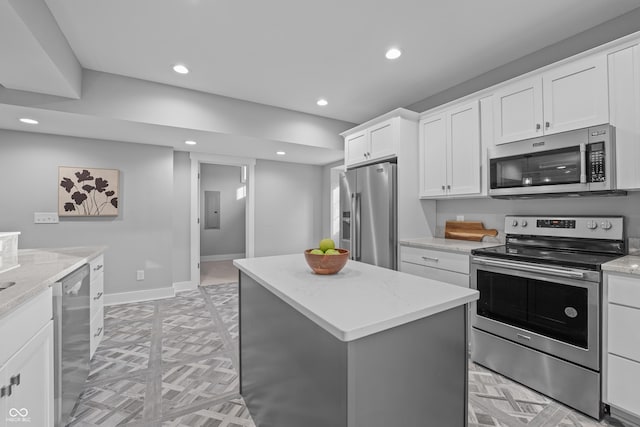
(596, 156)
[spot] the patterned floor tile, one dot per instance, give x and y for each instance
(233, 413)
(223, 294)
(112, 362)
(116, 334)
(184, 324)
(111, 404)
(191, 344)
(128, 312)
(187, 384)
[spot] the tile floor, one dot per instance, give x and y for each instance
(173, 363)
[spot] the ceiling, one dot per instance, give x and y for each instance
(290, 53)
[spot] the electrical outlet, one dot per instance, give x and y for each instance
(45, 218)
(459, 217)
(140, 275)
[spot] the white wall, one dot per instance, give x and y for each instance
(230, 237)
(181, 204)
(288, 207)
(139, 238)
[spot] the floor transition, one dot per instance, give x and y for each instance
(173, 362)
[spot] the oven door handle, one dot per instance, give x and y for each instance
(562, 272)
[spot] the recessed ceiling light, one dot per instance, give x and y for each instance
(280, 153)
(190, 142)
(393, 53)
(29, 121)
(180, 69)
(322, 102)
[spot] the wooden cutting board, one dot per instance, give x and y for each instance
(467, 230)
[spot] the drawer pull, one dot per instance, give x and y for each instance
(97, 334)
(99, 267)
(524, 337)
(97, 297)
(429, 258)
(15, 380)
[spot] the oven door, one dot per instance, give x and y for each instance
(551, 309)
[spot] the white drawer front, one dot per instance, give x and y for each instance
(436, 259)
(622, 384)
(97, 332)
(624, 290)
(446, 276)
(97, 293)
(624, 333)
(97, 266)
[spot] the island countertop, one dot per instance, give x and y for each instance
(358, 301)
(40, 268)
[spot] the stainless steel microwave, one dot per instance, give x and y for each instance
(579, 162)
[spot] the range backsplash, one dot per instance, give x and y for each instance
(492, 211)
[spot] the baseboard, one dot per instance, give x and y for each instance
(138, 296)
(627, 418)
(222, 257)
(184, 286)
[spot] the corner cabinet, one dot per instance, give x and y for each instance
(96, 307)
(26, 364)
(570, 96)
(376, 140)
(449, 152)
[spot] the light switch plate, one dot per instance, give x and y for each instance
(140, 275)
(459, 217)
(45, 218)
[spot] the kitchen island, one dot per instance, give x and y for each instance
(365, 347)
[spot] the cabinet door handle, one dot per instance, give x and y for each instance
(538, 126)
(99, 267)
(4, 392)
(15, 380)
(98, 296)
(448, 187)
(97, 334)
(547, 125)
(443, 187)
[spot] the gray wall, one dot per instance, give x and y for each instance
(492, 211)
(230, 237)
(288, 207)
(593, 37)
(181, 246)
(139, 238)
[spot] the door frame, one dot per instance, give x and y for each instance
(196, 160)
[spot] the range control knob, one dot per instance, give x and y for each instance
(524, 223)
(592, 225)
(514, 223)
(606, 225)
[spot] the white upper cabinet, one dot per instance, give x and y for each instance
(624, 107)
(518, 111)
(571, 96)
(450, 152)
(378, 139)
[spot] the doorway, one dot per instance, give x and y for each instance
(222, 208)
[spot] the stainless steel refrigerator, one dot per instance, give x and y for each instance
(368, 214)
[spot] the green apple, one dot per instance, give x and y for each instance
(326, 244)
(332, 252)
(317, 252)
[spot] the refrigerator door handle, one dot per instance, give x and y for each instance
(357, 235)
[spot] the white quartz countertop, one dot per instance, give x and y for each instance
(450, 245)
(38, 269)
(358, 301)
(629, 264)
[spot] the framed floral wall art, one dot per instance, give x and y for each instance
(87, 191)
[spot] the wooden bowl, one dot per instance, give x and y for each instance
(326, 264)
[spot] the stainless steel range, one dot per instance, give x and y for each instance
(538, 319)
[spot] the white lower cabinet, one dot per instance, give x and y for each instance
(622, 373)
(26, 364)
(448, 267)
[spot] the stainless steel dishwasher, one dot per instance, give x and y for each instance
(71, 341)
